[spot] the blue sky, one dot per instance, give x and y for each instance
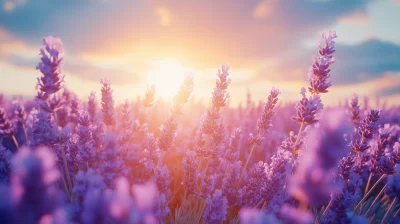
(266, 42)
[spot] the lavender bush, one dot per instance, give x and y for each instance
(66, 160)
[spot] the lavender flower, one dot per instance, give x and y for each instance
(306, 109)
(43, 132)
(254, 216)
(168, 133)
(232, 176)
(290, 143)
(277, 172)
(19, 113)
(393, 188)
(33, 184)
(85, 144)
(92, 107)
(5, 168)
(6, 127)
(355, 111)
(149, 97)
(163, 179)
(319, 72)
(84, 183)
(265, 122)
(365, 131)
(50, 67)
(216, 208)
(313, 181)
(112, 165)
(168, 129)
(107, 103)
(190, 173)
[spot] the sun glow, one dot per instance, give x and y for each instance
(167, 75)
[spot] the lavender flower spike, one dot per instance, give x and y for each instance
(306, 109)
(50, 66)
(216, 208)
(107, 103)
(6, 127)
(354, 111)
(320, 72)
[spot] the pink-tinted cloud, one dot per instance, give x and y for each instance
(356, 18)
(11, 5)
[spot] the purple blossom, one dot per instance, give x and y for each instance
(312, 182)
(320, 72)
(190, 173)
(366, 131)
(92, 107)
(19, 113)
(232, 176)
(112, 164)
(33, 184)
(107, 103)
(306, 109)
(163, 179)
(84, 183)
(170, 126)
(43, 132)
(232, 152)
(216, 208)
(354, 111)
(264, 123)
(5, 167)
(6, 126)
(393, 188)
(254, 216)
(50, 66)
(150, 96)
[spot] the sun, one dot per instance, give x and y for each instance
(167, 75)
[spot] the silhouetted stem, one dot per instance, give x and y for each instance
(15, 141)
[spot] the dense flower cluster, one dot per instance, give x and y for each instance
(66, 160)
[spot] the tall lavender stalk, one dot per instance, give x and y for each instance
(318, 76)
(263, 124)
(313, 181)
(168, 129)
(50, 66)
(107, 103)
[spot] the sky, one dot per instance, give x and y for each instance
(266, 43)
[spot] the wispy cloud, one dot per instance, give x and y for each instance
(164, 15)
(355, 18)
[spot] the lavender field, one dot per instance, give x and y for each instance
(181, 112)
(70, 160)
